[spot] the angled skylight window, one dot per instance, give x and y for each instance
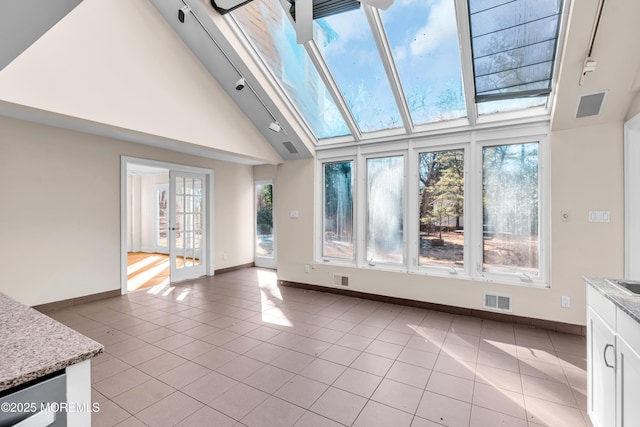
(348, 48)
(267, 26)
(423, 37)
(513, 47)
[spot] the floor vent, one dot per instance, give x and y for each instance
(497, 302)
(340, 280)
(590, 105)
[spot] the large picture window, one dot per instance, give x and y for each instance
(475, 206)
(441, 208)
(338, 210)
(385, 206)
(510, 209)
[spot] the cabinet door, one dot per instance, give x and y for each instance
(628, 376)
(601, 374)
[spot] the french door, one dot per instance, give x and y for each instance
(187, 225)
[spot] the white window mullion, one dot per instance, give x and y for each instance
(332, 88)
(382, 43)
(361, 210)
(473, 188)
(412, 211)
(466, 62)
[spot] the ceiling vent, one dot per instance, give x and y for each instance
(590, 105)
(290, 147)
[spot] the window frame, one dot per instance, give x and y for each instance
(472, 144)
(541, 279)
(333, 157)
(159, 247)
(363, 212)
(321, 218)
(415, 233)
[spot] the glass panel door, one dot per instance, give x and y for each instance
(264, 232)
(187, 226)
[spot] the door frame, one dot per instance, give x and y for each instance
(125, 161)
(257, 260)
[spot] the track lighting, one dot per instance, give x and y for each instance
(275, 126)
(182, 12)
(241, 83)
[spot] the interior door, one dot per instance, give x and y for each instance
(187, 225)
(264, 252)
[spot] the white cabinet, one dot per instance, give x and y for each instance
(628, 379)
(601, 359)
(613, 364)
(627, 370)
(601, 377)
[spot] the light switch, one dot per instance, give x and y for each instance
(599, 216)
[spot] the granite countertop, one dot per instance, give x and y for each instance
(33, 345)
(630, 304)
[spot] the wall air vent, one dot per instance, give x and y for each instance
(590, 105)
(290, 147)
(497, 302)
(340, 280)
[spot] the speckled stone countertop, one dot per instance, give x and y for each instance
(33, 345)
(630, 304)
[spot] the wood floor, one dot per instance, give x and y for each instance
(145, 270)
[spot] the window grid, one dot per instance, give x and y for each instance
(472, 146)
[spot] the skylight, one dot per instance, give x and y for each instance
(423, 37)
(351, 54)
(514, 47)
(370, 73)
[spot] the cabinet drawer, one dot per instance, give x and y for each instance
(605, 308)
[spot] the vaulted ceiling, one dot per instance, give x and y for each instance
(340, 102)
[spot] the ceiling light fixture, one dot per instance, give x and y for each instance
(182, 12)
(275, 126)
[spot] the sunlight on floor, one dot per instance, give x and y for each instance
(142, 263)
(141, 279)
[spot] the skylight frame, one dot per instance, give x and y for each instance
(496, 94)
(408, 130)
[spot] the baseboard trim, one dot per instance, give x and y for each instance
(52, 306)
(45, 308)
(234, 268)
(482, 314)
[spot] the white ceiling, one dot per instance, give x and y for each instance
(618, 62)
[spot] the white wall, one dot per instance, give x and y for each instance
(141, 211)
(119, 64)
(61, 210)
(586, 174)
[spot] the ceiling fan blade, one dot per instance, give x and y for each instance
(304, 21)
(378, 4)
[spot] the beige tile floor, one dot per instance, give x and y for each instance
(235, 349)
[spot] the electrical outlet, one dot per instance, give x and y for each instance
(566, 302)
(307, 268)
(225, 256)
